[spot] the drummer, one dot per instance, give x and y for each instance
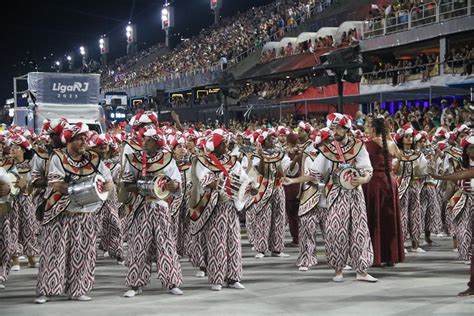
(347, 234)
(150, 233)
(6, 247)
(68, 254)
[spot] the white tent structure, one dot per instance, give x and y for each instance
(270, 46)
(284, 42)
(346, 26)
(327, 31)
(303, 37)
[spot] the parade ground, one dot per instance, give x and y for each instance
(426, 284)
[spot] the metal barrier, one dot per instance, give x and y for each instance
(387, 76)
(452, 9)
(421, 15)
(397, 21)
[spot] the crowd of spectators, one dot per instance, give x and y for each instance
(398, 71)
(458, 60)
(445, 114)
(232, 38)
(276, 90)
(397, 14)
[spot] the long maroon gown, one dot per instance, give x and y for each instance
(383, 210)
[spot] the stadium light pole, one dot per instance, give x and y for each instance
(216, 6)
(104, 49)
(131, 35)
(167, 21)
(82, 51)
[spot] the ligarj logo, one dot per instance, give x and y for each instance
(76, 87)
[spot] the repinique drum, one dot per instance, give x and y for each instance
(87, 194)
(154, 187)
(343, 175)
(467, 186)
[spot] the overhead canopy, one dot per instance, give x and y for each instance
(326, 31)
(466, 84)
(348, 25)
(432, 92)
(284, 41)
(270, 46)
(303, 37)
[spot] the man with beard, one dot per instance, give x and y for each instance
(67, 259)
(150, 230)
(347, 234)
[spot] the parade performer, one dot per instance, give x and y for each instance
(68, 255)
(23, 221)
(410, 168)
(271, 164)
(347, 234)
(213, 213)
(110, 228)
(150, 233)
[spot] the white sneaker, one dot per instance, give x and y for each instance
(121, 262)
(303, 268)
(106, 254)
(253, 248)
(347, 267)
(2, 286)
(216, 287)
(455, 250)
(259, 255)
(405, 250)
(132, 293)
(200, 274)
(82, 298)
(338, 278)
(367, 278)
(468, 263)
(22, 259)
(41, 299)
(175, 291)
(236, 285)
(281, 254)
(16, 267)
(418, 250)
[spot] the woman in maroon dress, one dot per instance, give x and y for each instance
(381, 196)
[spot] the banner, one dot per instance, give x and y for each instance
(64, 88)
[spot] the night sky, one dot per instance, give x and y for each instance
(41, 32)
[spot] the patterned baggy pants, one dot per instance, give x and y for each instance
(222, 235)
(67, 259)
(150, 240)
(431, 209)
(307, 231)
(269, 225)
(111, 230)
(24, 226)
(410, 206)
(347, 233)
(462, 230)
(6, 247)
